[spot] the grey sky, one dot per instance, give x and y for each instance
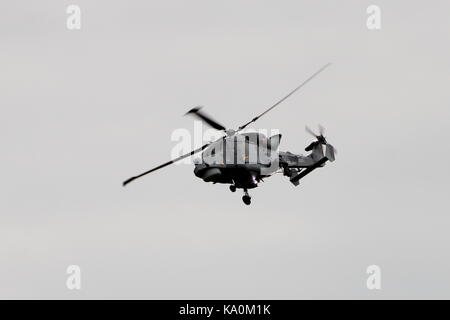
(83, 110)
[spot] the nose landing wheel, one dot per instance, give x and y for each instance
(246, 198)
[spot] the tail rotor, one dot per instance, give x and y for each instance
(330, 151)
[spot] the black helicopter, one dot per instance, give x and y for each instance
(243, 159)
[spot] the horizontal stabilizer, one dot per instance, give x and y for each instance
(319, 163)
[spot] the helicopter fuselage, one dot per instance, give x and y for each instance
(242, 160)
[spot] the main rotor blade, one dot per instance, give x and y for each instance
(308, 129)
(287, 96)
(166, 164)
(196, 111)
(321, 130)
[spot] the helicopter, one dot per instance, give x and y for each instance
(243, 159)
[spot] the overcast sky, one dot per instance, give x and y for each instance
(83, 110)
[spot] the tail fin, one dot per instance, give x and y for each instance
(329, 152)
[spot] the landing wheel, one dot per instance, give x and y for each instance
(247, 199)
(233, 188)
